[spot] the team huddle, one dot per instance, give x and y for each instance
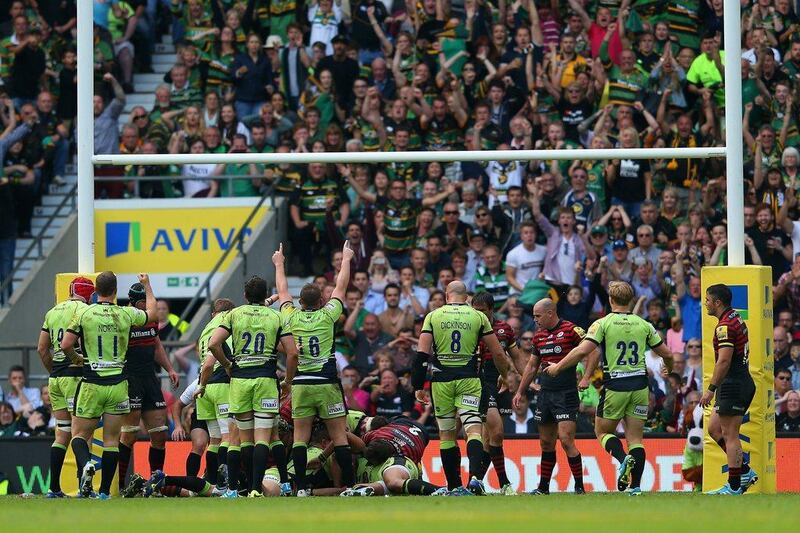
(296, 437)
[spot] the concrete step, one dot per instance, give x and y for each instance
(166, 39)
(145, 100)
(147, 78)
(47, 210)
(162, 48)
(54, 199)
(146, 86)
(163, 59)
(163, 68)
(20, 275)
(37, 223)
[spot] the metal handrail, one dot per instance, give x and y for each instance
(204, 291)
(137, 179)
(37, 241)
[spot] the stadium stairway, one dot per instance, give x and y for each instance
(144, 85)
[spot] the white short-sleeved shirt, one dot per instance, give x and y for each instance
(528, 264)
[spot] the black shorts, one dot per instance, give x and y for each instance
(734, 396)
(553, 406)
(492, 399)
(144, 392)
(198, 424)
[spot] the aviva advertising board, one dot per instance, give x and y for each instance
(177, 242)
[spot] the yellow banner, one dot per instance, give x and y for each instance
(752, 298)
(169, 236)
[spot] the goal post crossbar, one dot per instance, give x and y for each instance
(412, 157)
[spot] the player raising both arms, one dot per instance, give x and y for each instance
(64, 376)
(144, 391)
(493, 402)
(312, 376)
(256, 331)
(623, 338)
(104, 329)
(733, 386)
(557, 404)
(449, 345)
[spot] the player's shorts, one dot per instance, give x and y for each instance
(553, 406)
(492, 399)
(144, 392)
(734, 396)
(616, 405)
(62, 392)
(259, 395)
(198, 424)
(374, 474)
(93, 400)
(214, 404)
(454, 396)
(325, 400)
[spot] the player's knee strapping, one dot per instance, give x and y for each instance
(245, 424)
(446, 423)
(469, 418)
(264, 421)
(157, 429)
(224, 426)
(129, 429)
(64, 425)
(213, 429)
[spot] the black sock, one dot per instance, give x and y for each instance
(110, 458)
(486, 460)
(57, 454)
(576, 466)
(345, 460)
(475, 456)
(614, 446)
(222, 455)
(234, 462)
(735, 478)
(212, 463)
(299, 450)
(278, 451)
(639, 455)
(260, 456)
(156, 457)
(247, 465)
(418, 487)
(192, 483)
(548, 464)
(745, 468)
(451, 464)
(124, 462)
(192, 464)
(82, 456)
(499, 462)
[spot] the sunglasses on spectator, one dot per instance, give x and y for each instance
(694, 346)
(137, 117)
(526, 338)
(645, 234)
(481, 215)
(783, 378)
(451, 212)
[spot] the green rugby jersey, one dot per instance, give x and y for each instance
(683, 17)
(457, 330)
(219, 375)
(56, 323)
(255, 332)
(312, 199)
(354, 418)
(495, 284)
(104, 329)
(624, 338)
(400, 223)
(313, 332)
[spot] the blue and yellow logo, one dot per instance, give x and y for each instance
(122, 237)
(739, 300)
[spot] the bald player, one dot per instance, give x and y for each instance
(448, 346)
(623, 338)
(557, 405)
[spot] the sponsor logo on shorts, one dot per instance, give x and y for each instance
(121, 406)
(71, 404)
(161, 405)
(269, 403)
(222, 408)
(470, 401)
(563, 416)
(640, 410)
(336, 409)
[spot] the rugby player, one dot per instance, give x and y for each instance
(312, 376)
(392, 455)
(557, 404)
(623, 338)
(732, 385)
(64, 377)
(212, 394)
(254, 397)
(493, 402)
(104, 329)
(144, 391)
(452, 334)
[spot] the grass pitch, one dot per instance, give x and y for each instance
(564, 512)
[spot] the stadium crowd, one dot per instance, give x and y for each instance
(368, 75)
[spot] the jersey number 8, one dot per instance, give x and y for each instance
(455, 341)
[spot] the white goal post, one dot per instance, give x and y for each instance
(733, 151)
